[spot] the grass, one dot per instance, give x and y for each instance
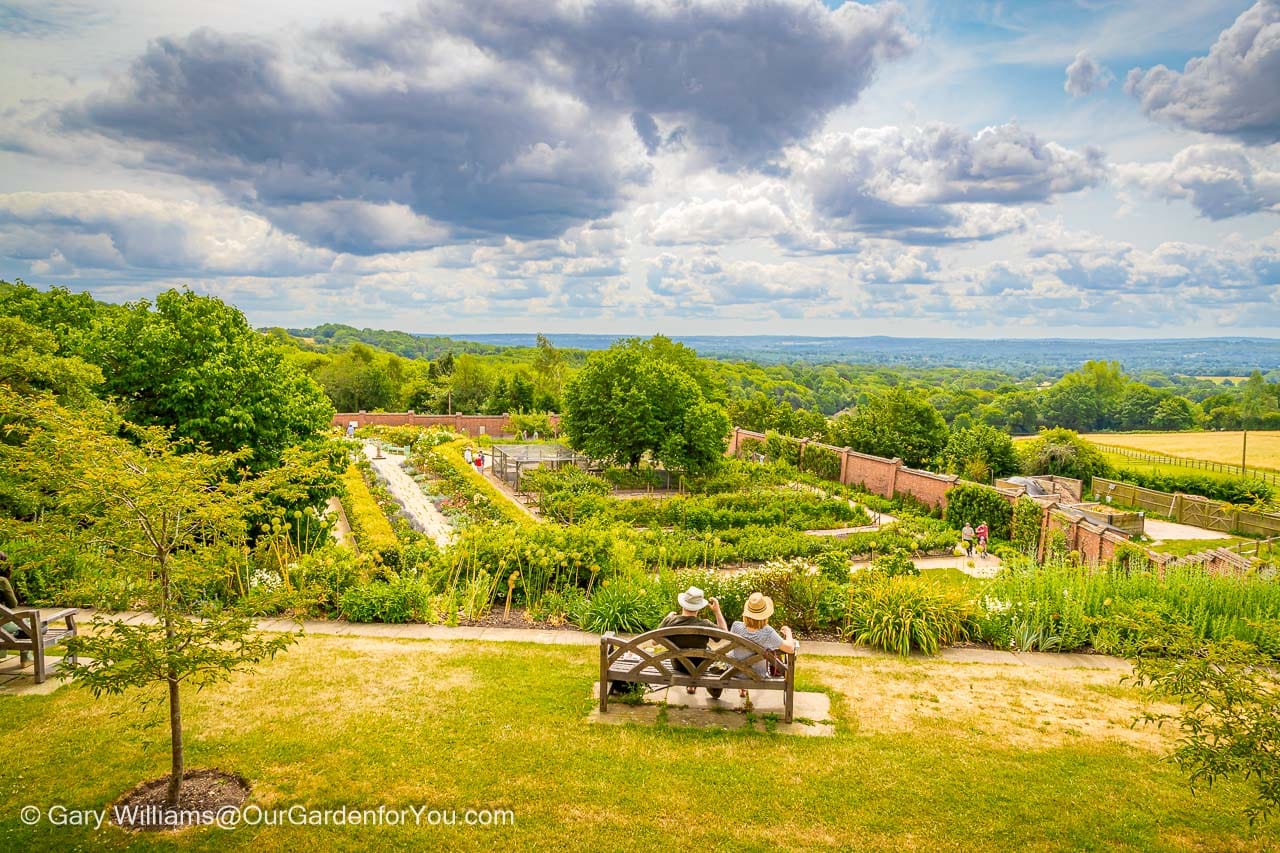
(1121, 462)
(1183, 547)
(954, 578)
(928, 755)
(1264, 447)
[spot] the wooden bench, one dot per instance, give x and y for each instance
(669, 664)
(34, 635)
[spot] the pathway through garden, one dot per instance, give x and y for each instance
(409, 495)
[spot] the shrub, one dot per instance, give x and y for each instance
(972, 503)
(905, 614)
(782, 448)
(1234, 490)
(822, 461)
(402, 600)
(1063, 452)
(372, 531)
(1024, 529)
(622, 604)
(896, 562)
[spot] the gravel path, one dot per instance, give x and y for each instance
(1163, 530)
(408, 494)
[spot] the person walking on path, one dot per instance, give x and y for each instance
(467, 456)
(480, 462)
(966, 536)
(983, 533)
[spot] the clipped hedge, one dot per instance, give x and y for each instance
(374, 535)
(462, 480)
(1234, 490)
(822, 461)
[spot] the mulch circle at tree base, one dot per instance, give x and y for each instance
(204, 792)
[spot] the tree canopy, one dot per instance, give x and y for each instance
(896, 423)
(637, 398)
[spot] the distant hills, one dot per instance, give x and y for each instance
(1018, 356)
(1192, 356)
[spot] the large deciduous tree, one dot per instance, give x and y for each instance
(639, 397)
(896, 423)
(194, 365)
(980, 453)
(1065, 453)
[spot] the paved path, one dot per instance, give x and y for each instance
(421, 511)
(1160, 531)
(541, 636)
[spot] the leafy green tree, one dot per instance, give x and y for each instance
(1174, 413)
(521, 393)
(1228, 712)
(896, 423)
(194, 365)
(1255, 402)
(358, 380)
(1137, 406)
(469, 383)
(1072, 403)
(1065, 453)
(29, 363)
(164, 515)
(549, 366)
(980, 453)
(637, 398)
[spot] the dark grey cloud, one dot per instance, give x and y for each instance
(465, 120)
(744, 79)
(1085, 76)
(1233, 91)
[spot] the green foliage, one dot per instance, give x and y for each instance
(798, 510)
(894, 563)
(29, 364)
(194, 365)
(894, 424)
(471, 495)
(643, 398)
(1229, 709)
(980, 453)
(1024, 528)
(782, 448)
(906, 614)
(404, 599)
(1234, 490)
(975, 504)
(373, 532)
(1062, 452)
(822, 461)
(624, 604)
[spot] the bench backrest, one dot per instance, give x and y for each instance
(27, 620)
(696, 661)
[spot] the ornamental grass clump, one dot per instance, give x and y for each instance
(904, 614)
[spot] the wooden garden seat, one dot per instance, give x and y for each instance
(651, 658)
(34, 634)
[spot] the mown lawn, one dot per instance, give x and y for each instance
(928, 755)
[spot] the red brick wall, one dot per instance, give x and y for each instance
(926, 487)
(467, 424)
(875, 473)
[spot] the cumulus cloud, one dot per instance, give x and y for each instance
(765, 209)
(1220, 180)
(938, 183)
(513, 118)
(1232, 91)
(1085, 76)
(64, 233)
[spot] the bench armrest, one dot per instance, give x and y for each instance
(68, 614)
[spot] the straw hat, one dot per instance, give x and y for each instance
(758, 606)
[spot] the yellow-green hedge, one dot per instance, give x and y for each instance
(452, 453)
(370, 527)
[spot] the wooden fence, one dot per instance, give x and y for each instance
(1189, 509)
(1194, 464)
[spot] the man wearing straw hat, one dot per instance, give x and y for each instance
(692, 601)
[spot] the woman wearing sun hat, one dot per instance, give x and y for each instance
(755, 627)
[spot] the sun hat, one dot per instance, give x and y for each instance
(758, 606)
(692, 599)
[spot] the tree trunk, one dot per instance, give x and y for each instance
(175, 704)
(175, 740)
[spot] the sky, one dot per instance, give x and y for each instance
(1086, 169)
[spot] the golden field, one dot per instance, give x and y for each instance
(1264, 447)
